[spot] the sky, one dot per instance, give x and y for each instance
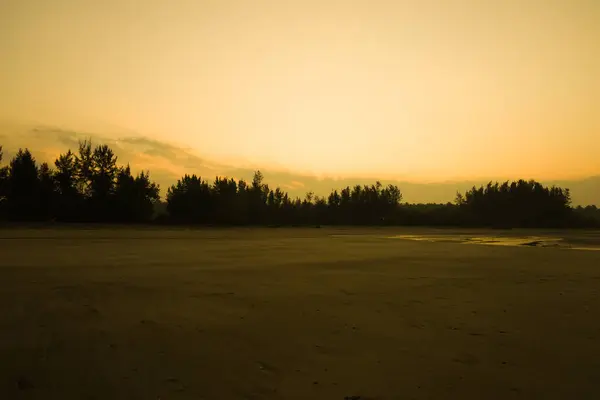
(419, 91)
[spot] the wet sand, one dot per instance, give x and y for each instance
(588, 241)
(296, 314)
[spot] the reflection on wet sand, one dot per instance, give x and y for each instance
(531, 241)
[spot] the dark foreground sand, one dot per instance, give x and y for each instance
(293, 314)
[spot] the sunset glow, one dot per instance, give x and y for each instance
(413, 90)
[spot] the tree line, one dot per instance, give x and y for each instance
(88, 185)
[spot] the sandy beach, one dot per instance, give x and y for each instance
(124, 313)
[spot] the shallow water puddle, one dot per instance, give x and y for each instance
(531, 241)
(534, 241)
(584, 248)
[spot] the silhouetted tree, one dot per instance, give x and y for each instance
(84, 168)
(69, 202)
(224, 201)
(47, 192)
(23, 201)
(241, 204)
(90, 186)
(257, 199)
(588, 216)
(4, 174)
(189, 200)
(520, 203)
(134, 197)
(102, 182)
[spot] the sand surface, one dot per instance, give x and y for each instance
(295, 314)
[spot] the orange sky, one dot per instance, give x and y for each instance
(418, 90)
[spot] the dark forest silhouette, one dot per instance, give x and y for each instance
(88, 186)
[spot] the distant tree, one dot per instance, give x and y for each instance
(135, 196)
(241, 204)
(89, 185)
(147, 195)
(104, 172)
(102, 183)
(391, 197)
(23, 201)
(307, 210)
(275, 206)
(257, 199)
(520, 204)
(67, 176)
(4, 174)
(224, 199)
(334, 208)
(84, 168)
(47, 192)
(459, 199)
(189, 200)
(321, 216)
(588, 216)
